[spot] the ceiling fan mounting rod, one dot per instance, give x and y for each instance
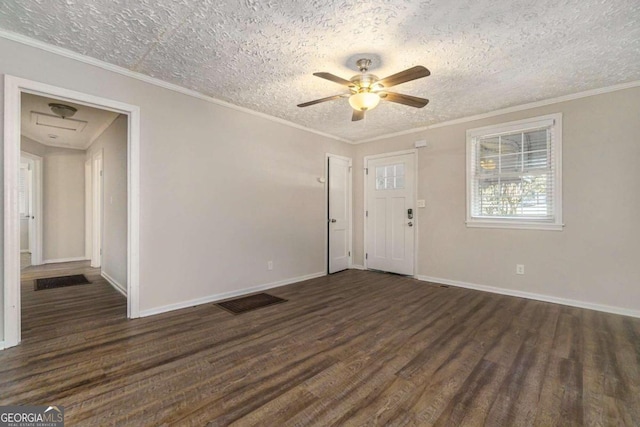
(363, 64)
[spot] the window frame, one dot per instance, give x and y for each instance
(555, 223)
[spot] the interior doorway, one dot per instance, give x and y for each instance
(14, 89)
(96, 228)
(30, 207)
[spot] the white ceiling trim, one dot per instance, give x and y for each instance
(508, 110)
(19, 38)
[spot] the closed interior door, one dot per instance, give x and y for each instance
(390, 214)
(339, 213)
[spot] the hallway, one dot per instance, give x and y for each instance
(63, 313)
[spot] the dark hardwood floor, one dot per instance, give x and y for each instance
(355, 348)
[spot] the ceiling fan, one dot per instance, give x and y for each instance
(366, 90)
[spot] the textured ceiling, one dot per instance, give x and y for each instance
(260, 54)
(96, 123)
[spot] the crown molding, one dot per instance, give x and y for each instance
(522, 107)
(19, 38)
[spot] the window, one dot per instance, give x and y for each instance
(390, 177)
(514, 174)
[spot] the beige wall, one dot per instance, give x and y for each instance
(24, 234)
(113, 144)
(222, 191)
(63, 200)
(594, 259)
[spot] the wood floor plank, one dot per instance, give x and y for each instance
(561, 394)
(515, 402)
(354, 348)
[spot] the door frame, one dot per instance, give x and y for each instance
(326, 209)
(97, 207)
(88, 209)
(13, 88)
(416, 223)
(35, 227)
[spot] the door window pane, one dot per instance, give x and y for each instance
(390, 177)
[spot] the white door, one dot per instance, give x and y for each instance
(88, 208)
(96, 224)
(339, 211)
(31, 206)
(390, 213)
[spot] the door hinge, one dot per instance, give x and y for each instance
(100, 173)
(101, 251)
(366, 213)
(366, 171)
(366, 256)
(349, 253)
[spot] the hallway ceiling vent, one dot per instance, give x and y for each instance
(49, 120)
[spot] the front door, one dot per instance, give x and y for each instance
(390, 213)
(339, 212)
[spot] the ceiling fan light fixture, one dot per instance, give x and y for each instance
(364, 101)
(487, 164)
(366, 90)
(62, 110)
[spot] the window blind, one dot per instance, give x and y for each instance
(513, 173)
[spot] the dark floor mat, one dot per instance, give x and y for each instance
(61, 282)
(244, 304)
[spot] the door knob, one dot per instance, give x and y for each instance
(333, 220)
(410, 224)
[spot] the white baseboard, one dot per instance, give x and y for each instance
(533, 296)
(226, 295)
(357, 267)
(54, 261)
(113, 282)
(24, 251)
(2, 345)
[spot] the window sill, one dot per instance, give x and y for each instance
(515, 225)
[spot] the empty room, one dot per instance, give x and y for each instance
(325, 213)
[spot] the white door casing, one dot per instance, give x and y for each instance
(339, 212)
(390, 214)
(13, 88)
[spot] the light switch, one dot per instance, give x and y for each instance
(421, 203)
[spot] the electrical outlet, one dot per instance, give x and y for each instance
(519, 268)
(269, 265)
